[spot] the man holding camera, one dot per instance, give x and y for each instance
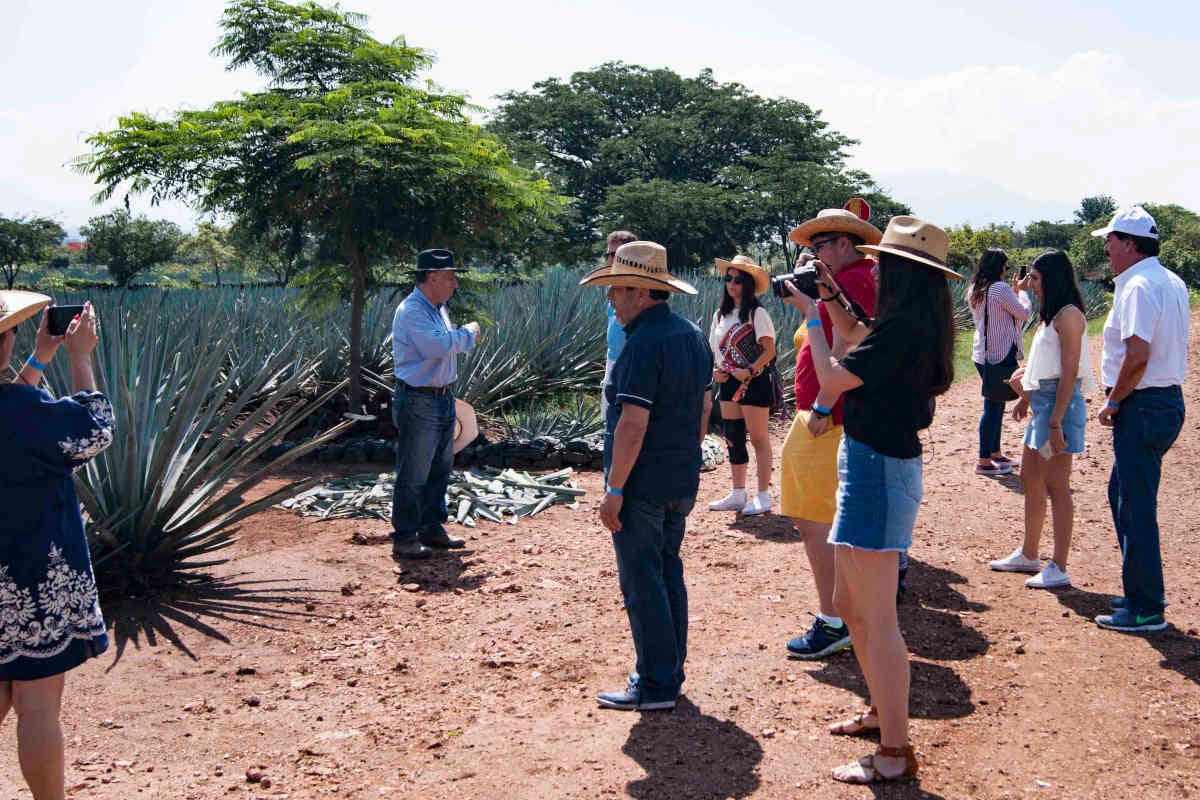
(425, 348)
(808, 474)
(1144, 365)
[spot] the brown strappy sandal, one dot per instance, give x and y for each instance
(868, 772)
(855, 726)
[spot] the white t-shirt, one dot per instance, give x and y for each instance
(1151, 303)
(721, 325)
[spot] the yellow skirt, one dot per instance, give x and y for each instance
(808, 472)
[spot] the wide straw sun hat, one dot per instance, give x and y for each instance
(853, 219)
(639, 265)
(916, 240)
(762, 280)
(16, 307)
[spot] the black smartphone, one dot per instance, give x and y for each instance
(1023, 271)
(60, 318)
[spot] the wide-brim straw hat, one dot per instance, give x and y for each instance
(466, 427)
(17, 306)
(762, 279)
(853, 219)
(639, 265)
(916, 240)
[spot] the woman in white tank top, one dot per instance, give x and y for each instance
(1056, 375)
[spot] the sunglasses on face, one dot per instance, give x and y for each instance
(736, 277)
(817, 245)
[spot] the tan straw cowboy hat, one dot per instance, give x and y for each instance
(916, 240)
(640, 265)
(762, 279)
(16, 307)
(466, 427)
(852, 219)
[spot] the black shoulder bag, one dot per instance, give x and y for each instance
(996, 376)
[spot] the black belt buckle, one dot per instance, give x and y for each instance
(438, 391)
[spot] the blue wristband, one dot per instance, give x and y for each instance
(821, 410)
(617, 492)
(1111, 404)
(813, 323)
(33, 362)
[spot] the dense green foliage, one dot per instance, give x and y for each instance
(24, 240)
(344, 154)
(704, 168)
(128, 245)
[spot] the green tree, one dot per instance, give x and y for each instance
(344, 151)
(966, 244)
(127, 245)
(612, 137)
(1097, 208)
(1179, 232)
(24, 240)
(210, 246)
(1044, 233)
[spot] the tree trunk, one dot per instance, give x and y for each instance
(217, 267)
(358, 302)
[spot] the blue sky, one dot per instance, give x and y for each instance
(980, 112)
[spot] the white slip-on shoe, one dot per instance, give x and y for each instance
(1016, 562)
(730, 502)
(761, 504)
(1051, 577)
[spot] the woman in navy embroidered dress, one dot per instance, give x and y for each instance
(50, 617)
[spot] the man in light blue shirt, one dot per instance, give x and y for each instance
(425, 348)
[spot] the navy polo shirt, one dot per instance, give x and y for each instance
(666, 367)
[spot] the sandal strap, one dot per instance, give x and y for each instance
(906, 752)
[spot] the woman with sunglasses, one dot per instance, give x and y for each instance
(50, 619)
(744, 383)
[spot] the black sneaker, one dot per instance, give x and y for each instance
(436, 536)
(410, 549)
(822, 640)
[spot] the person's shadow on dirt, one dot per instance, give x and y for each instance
(690, 754)
(1180, 650)
(929, 615)
(767, 527)
(445, 572)
(936, 692)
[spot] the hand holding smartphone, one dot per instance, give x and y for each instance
(59, 318)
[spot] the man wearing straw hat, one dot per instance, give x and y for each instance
(658, 403)
(808, 463)
(425, 348)
(614, 336)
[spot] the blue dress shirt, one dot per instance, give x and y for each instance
(425, 342)
(616, 334)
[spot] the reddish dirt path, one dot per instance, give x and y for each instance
(473, 676)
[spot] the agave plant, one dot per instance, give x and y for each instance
(577, 420)
(158, 498)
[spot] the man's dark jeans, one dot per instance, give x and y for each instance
(651, 575)
(424, 457)
(1146, 427)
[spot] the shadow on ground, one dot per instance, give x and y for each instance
(444, 571)
(199, 604)
(690, 754)
(936, 692)
(1180, 650)
(929, 615)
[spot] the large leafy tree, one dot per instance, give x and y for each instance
(211, 247)
(24, 240)
(620, 138)
(344, 151)
(128, 245)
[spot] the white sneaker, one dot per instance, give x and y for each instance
(730, 502)
(1049, 578)
(761, 504)
(1016, 562)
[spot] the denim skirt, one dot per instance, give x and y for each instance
(1041, 406)
(877, 498)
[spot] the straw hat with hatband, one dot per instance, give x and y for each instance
(16, 307)
(639, 265)
(916, 240)
(762, 279)
(852, 219)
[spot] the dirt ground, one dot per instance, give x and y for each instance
(318, 668)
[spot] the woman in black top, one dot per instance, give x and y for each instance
(901, 363)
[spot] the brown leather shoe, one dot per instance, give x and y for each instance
(437, 537)
(410, 548)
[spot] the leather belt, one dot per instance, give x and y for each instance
(439, 391)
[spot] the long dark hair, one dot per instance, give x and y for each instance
(908, 287)
(990, 269)
(749, 298)
(1059, 288)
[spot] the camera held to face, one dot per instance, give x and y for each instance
(804, 278)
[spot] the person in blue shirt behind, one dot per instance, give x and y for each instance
(425, 348)
(658, 403)
(615, 335)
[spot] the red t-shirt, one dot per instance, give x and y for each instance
(858, 283)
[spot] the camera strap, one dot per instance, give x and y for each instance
(851, 306)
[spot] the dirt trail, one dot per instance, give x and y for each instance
(323, 670)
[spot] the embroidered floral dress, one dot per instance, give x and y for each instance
(49, 612)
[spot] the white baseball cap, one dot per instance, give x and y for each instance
(1132, 221)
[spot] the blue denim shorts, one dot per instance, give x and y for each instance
(877, 498)
(1041, 406)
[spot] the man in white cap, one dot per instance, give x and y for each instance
(1144, 364)
(658, 403)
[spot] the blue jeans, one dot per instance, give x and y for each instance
(424, 457)
(651, 575)
(1146, 427)
(989, 424)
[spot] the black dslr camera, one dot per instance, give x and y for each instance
(804, 278)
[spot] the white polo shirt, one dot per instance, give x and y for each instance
(1151, 303)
